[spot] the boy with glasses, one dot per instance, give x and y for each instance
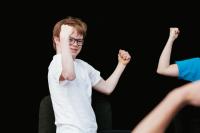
(71, 80)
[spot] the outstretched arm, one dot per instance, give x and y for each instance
(164, 66)
(159, 118)
(107, 86)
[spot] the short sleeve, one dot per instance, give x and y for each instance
(189, 69)
(94, 74)
(55, 69)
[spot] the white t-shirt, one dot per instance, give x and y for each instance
(72, 99)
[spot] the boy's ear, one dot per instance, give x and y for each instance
(56, 40)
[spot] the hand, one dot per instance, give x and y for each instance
(65, 32)
(174, 32)
(124, 57)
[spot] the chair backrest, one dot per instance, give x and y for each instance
(103, 111)
(101, 106)
(46, 116)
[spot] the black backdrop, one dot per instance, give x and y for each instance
(27, 51)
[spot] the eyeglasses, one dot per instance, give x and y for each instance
(79, 42)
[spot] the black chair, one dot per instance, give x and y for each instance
(101, 106)
(46, 116)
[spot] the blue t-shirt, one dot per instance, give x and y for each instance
(189, 69)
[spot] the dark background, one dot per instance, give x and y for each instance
(140, 28)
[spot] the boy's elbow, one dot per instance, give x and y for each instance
(107, 92)
(159, 71)
(69, 77)
(165, 72)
